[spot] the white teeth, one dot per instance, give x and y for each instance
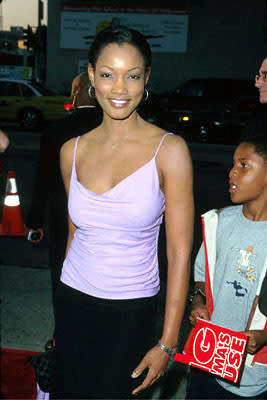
(119, 101)
(234, 186)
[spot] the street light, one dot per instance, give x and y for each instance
(29, 38)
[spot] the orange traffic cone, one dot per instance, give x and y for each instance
(12, 224)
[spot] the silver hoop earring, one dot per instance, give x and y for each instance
(91, 92)
(146, 94)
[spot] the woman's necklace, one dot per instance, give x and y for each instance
(115, 145)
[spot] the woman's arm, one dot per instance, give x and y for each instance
(179, 214)
(175, 170)
(66, 160)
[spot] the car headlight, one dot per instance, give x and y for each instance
(185, 118)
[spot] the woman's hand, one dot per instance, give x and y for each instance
(198, 310)
(256, 340)
(156, 360)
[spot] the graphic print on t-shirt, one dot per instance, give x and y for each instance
(240, 291)
(245, 263)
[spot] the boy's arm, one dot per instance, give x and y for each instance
(256, 340)
(198, 308)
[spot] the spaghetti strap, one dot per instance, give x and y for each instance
(75, 150)
(160, 143)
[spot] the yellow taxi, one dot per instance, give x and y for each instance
(29, 103)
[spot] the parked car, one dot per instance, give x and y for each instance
(207, 92)
(29, 103)
(223, 126)
(206, 110)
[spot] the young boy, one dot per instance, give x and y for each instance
(229, 271)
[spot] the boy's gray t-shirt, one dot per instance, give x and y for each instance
(241, 247)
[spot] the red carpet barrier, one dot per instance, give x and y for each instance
(17, 379)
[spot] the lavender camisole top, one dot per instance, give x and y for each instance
(113, 254)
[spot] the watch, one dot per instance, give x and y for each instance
(195, 293)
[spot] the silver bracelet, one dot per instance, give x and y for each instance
(167, 350)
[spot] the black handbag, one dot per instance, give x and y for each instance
(263, 297)
(43, 365)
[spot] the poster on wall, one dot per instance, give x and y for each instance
(165, 28)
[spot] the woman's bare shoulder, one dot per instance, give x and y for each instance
(68, 145)
(174, 152)
(173, 144)
(158, 132)
(67, 152)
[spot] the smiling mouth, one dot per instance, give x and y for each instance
(119, 102)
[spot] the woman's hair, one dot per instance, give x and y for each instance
(119, 34)
(260, 146)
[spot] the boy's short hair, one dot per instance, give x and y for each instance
(260, 145)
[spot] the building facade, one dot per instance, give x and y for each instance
(193, 39)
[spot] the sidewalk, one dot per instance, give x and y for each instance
(27, 321)
(27, 315)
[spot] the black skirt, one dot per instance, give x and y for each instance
(99, 342)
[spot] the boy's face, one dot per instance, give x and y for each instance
(248, 177)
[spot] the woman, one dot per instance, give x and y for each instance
(119, 178)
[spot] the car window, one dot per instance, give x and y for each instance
(27, 91)
(229, 88)
(43, 89)
(192, 88)
(244, 105)
(218, 88)
(246, 88)
(9, 89)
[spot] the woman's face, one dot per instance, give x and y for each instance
(119, 79)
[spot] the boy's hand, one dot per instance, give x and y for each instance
(198, 310)
(256, 340)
